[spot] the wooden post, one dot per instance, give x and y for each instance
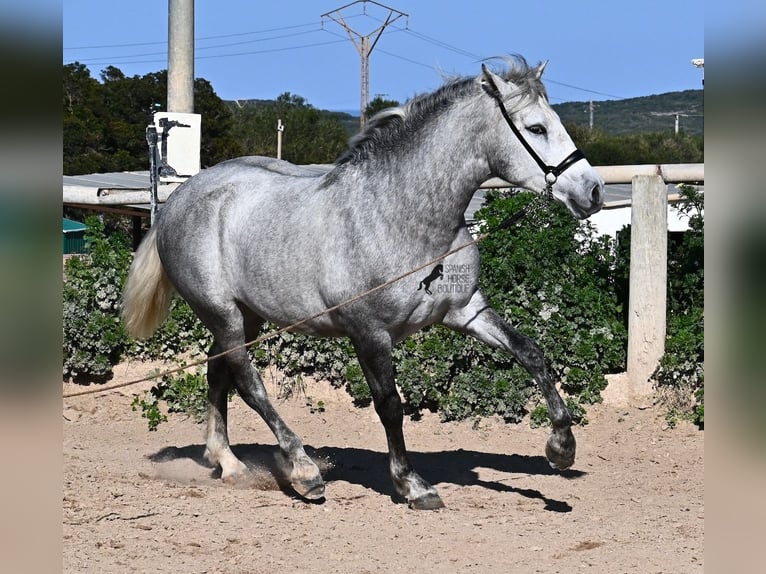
(648, 280)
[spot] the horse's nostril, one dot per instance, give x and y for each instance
(596, 194)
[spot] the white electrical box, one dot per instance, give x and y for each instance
(178, 144)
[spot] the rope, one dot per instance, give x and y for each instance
(512, 219)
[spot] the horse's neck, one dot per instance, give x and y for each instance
(436, 179)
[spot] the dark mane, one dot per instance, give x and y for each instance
(387, 129)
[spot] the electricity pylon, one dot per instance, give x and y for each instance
(364, 44)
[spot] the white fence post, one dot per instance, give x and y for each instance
(648, 280)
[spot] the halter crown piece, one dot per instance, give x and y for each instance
(552, 172)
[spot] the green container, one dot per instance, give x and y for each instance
(74, 236)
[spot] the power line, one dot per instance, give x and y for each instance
(125, 59)
(198, 48)
(548, 80)
(441, 44)
(132, 44)
(476, 57)
(405, 59)
(253, 52)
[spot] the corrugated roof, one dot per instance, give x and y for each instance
(128, 179)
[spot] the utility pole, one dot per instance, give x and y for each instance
(590, 115)
(280, 129)
(181, 56)
(677, 118)
(364, 44)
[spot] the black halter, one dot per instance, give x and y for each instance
(552, 172)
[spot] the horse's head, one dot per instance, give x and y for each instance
(528, 144)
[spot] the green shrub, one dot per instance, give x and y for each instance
(680, 375)
(552, 278)
(295, 355)
(94, 338)
(181, 332)
(184, 392)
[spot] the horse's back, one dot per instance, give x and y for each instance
(278, 166)
(237, 229)
(252, 174)
(245, 183)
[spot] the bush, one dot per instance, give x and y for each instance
(551, 276)
(94, 338)
(680, 376)
(180, 333)
(184, 392)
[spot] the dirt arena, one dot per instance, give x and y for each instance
(138, 501)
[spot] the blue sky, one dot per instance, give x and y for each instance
(597, 49)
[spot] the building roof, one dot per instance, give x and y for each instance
(127, 180)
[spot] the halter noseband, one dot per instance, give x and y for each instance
(551, 172)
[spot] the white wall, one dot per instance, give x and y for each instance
(610, 221)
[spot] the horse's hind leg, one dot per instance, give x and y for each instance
(375, 358)
(234, 368)
(218, 450)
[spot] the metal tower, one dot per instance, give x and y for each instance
(364, 44)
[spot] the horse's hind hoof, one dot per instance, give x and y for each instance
(429, 501)
(312, 490)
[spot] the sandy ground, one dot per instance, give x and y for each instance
(139, 501)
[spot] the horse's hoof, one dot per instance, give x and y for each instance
(429, 501)
(312, 489)
(560, 449)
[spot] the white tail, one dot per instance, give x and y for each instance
(147, 293)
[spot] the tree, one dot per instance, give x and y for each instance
(82, 111)
(640, 148)
(218, 141)
(310, 135)
(105, 122)
(379, 104)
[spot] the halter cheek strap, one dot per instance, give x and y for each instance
(551, 172)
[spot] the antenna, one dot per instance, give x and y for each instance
(364, 44)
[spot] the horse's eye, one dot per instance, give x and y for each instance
(538, 130)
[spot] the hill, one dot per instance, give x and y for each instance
(612, 117)
(637, 115)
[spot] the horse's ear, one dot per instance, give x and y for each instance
(490, 81)
(540, 69)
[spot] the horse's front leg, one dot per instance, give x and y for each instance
(479, 320)
(375, 358)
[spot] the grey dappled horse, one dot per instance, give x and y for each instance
(255, 239)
